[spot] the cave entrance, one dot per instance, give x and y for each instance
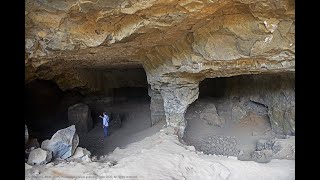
(233, 113)
(122, 93)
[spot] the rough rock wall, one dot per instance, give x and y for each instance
(274, 92)
(179, 43)
(156, 107)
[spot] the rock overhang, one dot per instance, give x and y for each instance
(178, 43)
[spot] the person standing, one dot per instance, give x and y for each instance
(105, 123)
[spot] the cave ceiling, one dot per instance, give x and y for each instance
(176, 42)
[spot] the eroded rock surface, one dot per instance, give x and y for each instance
(156, 107)
(178, 43)
(246, 103)
(279, 148)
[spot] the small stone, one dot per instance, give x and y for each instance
(81, 154)
(39, 157)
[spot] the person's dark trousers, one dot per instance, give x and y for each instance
(105, 131)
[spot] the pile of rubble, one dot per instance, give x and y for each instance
(266, 150)
(63, 145)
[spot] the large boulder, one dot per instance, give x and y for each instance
(80, 116)
(63, 143)
(39, 157)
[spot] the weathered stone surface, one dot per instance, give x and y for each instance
(284, 148)
(178, 43)
(272, 95)
(237, 112)
(80, 116)
(282, 112)
(209, 114)
(156, 107)
(81, 154)
(252, 99)
(39, 157)
(281, 148)
(176, 101)
(238, 36)
(63, 143)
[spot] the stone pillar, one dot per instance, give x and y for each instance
(156, 106)
(177, 99)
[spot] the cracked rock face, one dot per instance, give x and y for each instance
(178, 43)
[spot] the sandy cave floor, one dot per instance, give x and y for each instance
(138, 151)
(232, 140)
(135, 126)
(162, 156)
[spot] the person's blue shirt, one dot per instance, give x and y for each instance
(105, 119)
(105, 122)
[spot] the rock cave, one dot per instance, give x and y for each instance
(232, 114)
(197, 83)
(122, 93)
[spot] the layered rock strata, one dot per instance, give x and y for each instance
(178, 43)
